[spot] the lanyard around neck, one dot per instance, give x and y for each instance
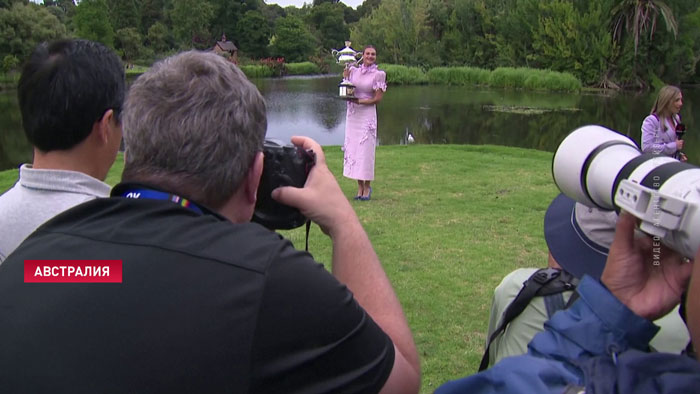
(156, 195)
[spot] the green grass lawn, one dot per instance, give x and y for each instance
(448, 222)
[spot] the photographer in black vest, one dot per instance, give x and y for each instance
(207, 301)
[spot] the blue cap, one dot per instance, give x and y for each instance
(579, 237)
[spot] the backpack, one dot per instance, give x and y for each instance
(549, 283)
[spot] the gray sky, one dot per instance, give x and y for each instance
(300, 3)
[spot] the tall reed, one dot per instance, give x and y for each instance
(502, 77)
(402, 75)
(257, 71)
(303, 68)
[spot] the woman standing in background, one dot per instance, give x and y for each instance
(361, 122)
(659, 128)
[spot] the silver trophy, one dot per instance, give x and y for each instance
(348, 57)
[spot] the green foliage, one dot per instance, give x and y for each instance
(254, 34)
(328, 21)
(504, 77)
(292, 40)
(129, 42)
(151, 12)
(256, 71)
(158, 37)
(508, 77)
(23, 26)
(303, 68)
(191, 20)
(400, 32)
(403, 75)
(603, 43)
(124, 14)
(459, 76)
(533, 79)
(9, 63)
(92, 22)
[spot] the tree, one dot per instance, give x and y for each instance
(152, 11)
(292, 40)
(124, 14)
(23, 26)
(253, 34)
(91, 22)
(130, 43)
(639, 16)
(9, 63)
(399, 30)
(328, 22)
(367, 7)
(191, 20)
(158, 37)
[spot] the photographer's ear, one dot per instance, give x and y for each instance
(252, 180)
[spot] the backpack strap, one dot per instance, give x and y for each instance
(543, 282)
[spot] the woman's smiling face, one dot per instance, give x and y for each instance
(369, 57)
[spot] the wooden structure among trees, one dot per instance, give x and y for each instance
(227, 49)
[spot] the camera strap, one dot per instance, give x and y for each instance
(308, 227)
(156, 195)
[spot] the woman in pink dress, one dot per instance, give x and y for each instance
(361, 122)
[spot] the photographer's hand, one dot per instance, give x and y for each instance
(355, 263)
(644, 275)
(321, 199)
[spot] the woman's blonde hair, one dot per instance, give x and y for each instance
(662, 105)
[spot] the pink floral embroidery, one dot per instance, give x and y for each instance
(370, 131)
(348, 162)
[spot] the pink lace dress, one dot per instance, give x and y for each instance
(361, 124)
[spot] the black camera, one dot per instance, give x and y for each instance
(284, 165)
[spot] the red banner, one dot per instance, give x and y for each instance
(72, 271)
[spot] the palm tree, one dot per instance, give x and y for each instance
(638, 16)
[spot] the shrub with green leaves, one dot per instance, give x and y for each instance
(402, 75)
(9, 63)
(257, 71)
(303, 68)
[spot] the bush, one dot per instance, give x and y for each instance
(533, 79)
(303, 68)
(9, 63)
(458, 76)
(256, 71)
(402, 75)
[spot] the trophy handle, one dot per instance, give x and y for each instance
(334, 52)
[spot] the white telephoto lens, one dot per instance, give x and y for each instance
(587, 162)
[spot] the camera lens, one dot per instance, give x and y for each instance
(601, 168)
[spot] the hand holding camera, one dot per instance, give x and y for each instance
(321, 200)
(284, 165)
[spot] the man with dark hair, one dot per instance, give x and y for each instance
(207, 301)
(70, 95)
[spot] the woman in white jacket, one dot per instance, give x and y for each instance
(659, 128)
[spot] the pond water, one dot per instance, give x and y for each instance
(433, 114)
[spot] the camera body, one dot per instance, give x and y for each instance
(601, 168)
(284, 165)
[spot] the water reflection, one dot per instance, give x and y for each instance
(432, 114)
